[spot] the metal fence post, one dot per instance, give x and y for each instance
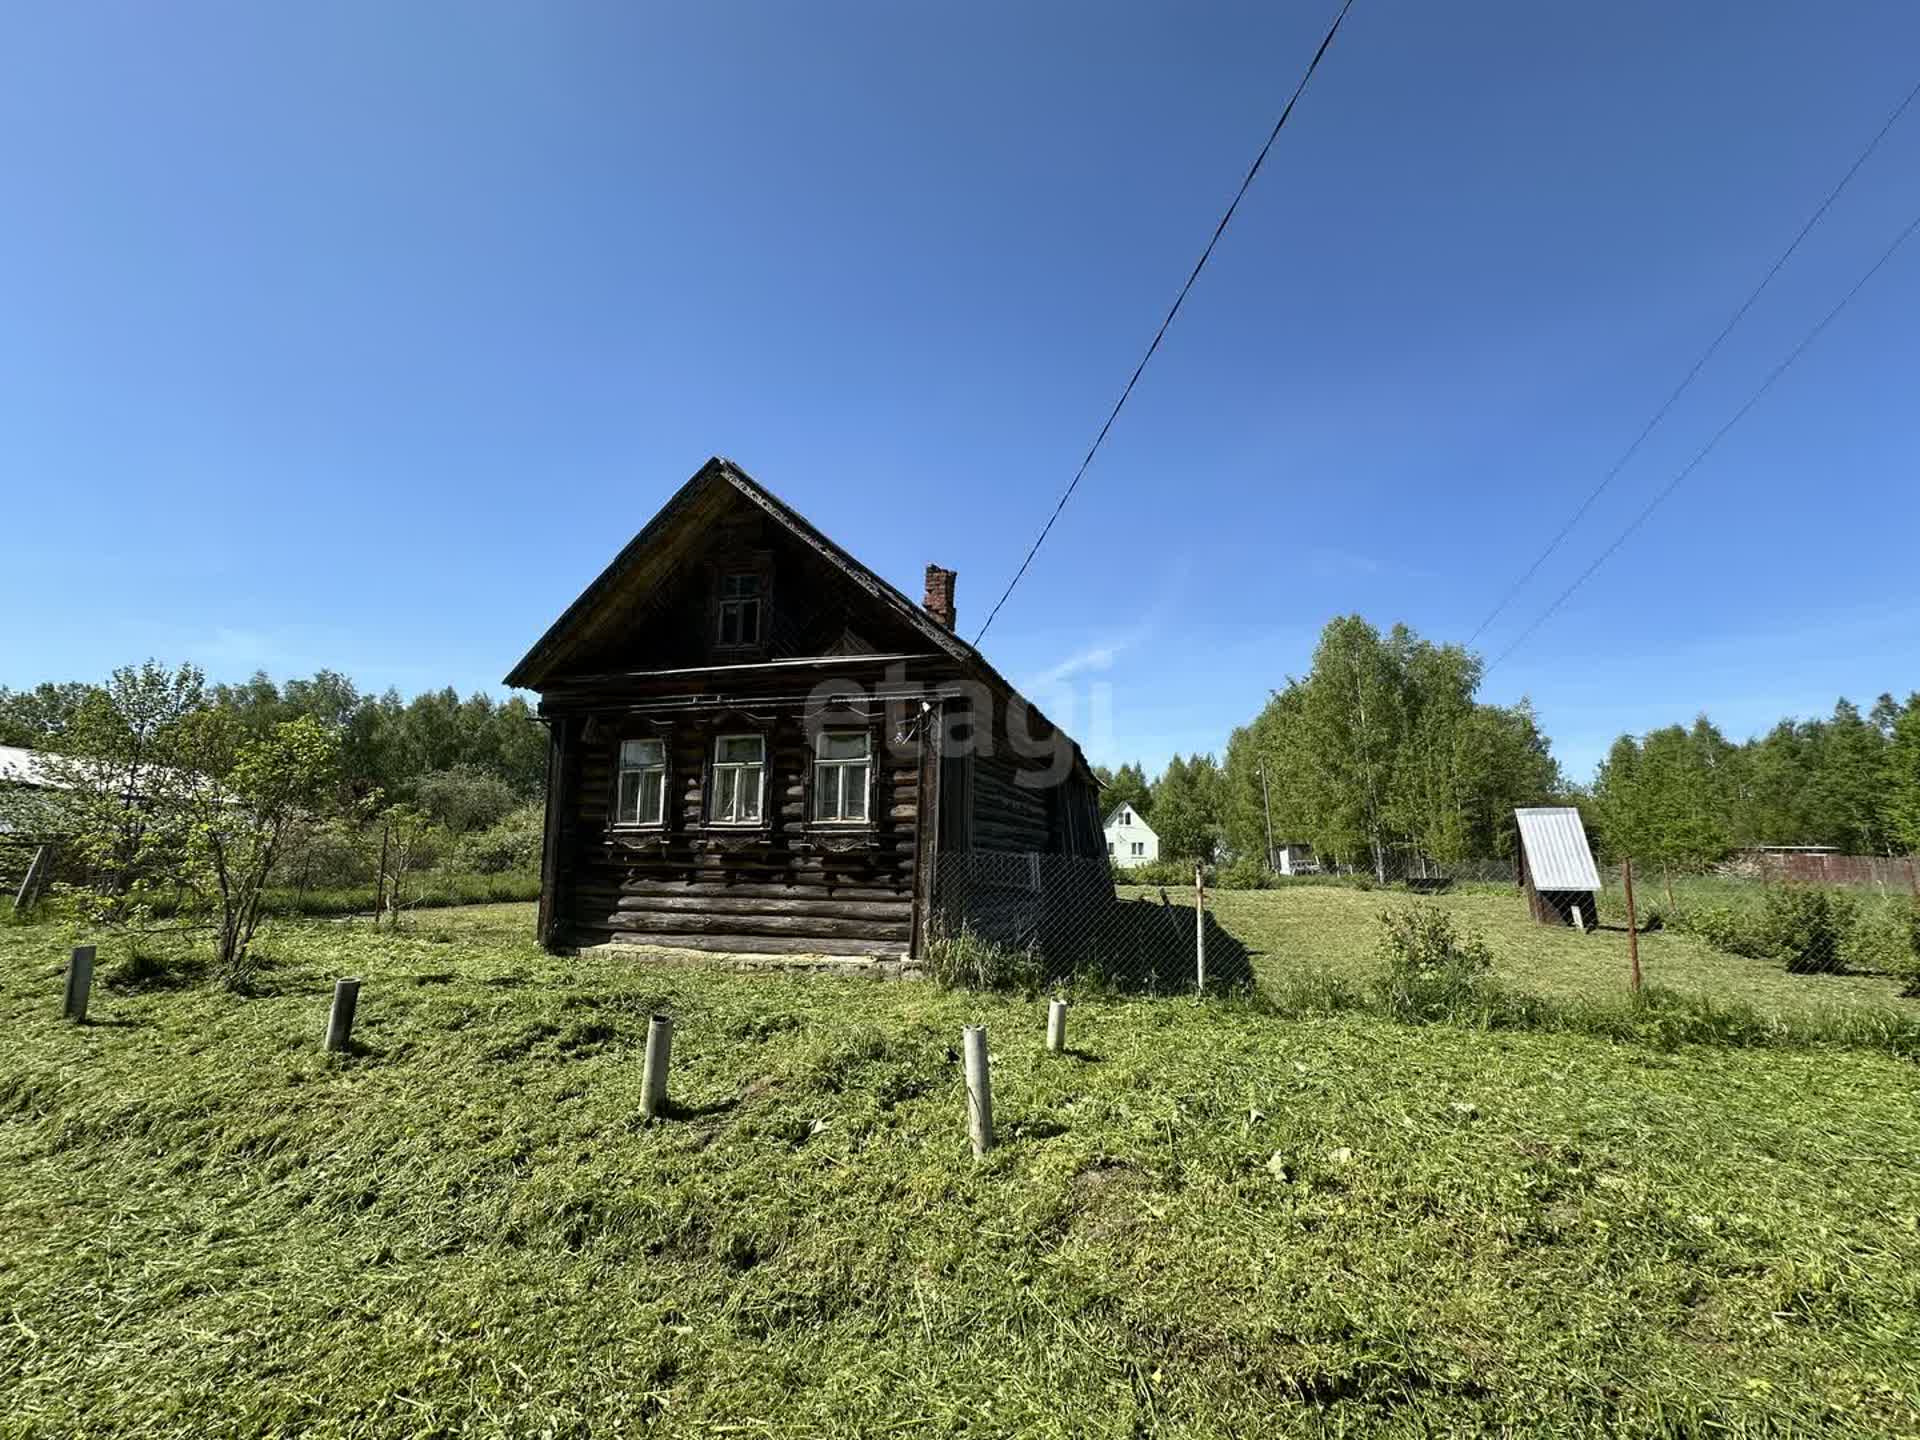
(79, 983)
(973, 1047)
(653, 1082)
(346, 999)
(1199, 930)
(1056, 1025)
(1633, 927)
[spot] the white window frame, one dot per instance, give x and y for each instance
(737, 767)
(838, 769)
(621, 769)
(738, 606)
(1140, 847)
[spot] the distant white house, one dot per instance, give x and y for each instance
(1130, 840)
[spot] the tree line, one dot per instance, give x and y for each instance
(1379, 755)
(168, 798)
(466, 760)
(1688, 796)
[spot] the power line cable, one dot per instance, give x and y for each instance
(1698, 365)
(1707, 449)
(1179, 300)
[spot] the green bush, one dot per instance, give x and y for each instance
(1155, 872)
(1880, 940)
(464, 797)
(1430, 970)
(1807, 926)
(1246, 873)
(1908, 968)
(964, 959)
(1721, 926)
(512, 844)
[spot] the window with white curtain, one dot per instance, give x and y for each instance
(640, 798)
(842, 771)
(739, 779)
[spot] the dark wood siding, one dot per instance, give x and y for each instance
(640, 655)
(786, 886)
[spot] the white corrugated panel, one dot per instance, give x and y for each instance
(21, 767)
(1558, 856)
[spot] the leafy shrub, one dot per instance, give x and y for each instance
(1246, 873)
(1806, 926)
(966, 960)
(1722, 927)
(325, 856)
(1430, 970)
(464, 797)
(511, 844)
(1908, 967)
(1156, 872)
(1880, 940)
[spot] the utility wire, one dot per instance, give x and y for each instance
(1179, 300)
(1718, 435)
(1698, 365)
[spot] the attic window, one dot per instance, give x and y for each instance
(740, 609)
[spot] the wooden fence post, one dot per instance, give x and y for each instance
(973, 1048)
(346, 1000)
(1199, 930)
(653, 1080)
(1056, 1025)
(1633, 929)
(36, 879)
(79, 983)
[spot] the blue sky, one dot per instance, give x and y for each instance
(361, 335)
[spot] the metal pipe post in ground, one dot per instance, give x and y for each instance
(1056, 1025)
(346, 1000)
(973, 1050)
(1633, 929)
(79, 983)
(1199, 930)
(653, 1083)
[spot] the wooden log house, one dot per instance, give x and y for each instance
(758, 745)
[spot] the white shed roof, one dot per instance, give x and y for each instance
(1558, 856)
(23, 767)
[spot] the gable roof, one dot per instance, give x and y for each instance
(678, 526)
(1138, 818)
(1558, 856)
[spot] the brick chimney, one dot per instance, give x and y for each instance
(939, 601)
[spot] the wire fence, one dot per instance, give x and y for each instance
(1054, 920)
(1057, 919)
(1815, 912)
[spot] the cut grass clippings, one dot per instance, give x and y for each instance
(1207, 1219)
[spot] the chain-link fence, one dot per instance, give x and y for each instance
(1814, 912)
(1026, 918)
(1057, 919)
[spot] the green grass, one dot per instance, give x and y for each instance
(1309, 929)
(1206, 1220)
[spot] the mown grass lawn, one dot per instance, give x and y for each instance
(1306, 928)
(1208, 1220)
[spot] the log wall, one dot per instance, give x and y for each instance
(786, 887)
